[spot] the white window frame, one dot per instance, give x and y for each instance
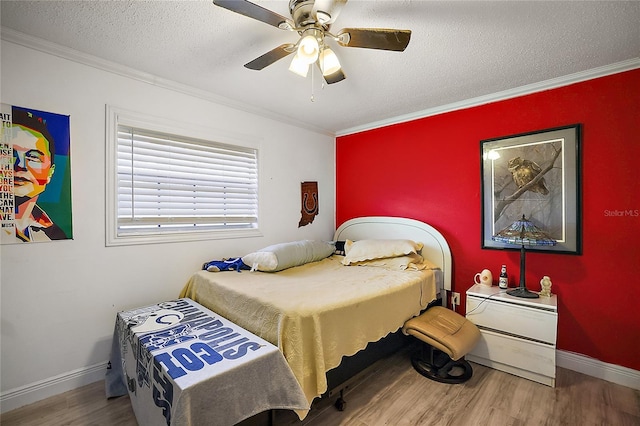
(116, 117)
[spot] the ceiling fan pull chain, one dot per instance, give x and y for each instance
(313, 99)
(321, 58)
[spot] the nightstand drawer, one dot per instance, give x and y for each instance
(526, 355)
(531, 323)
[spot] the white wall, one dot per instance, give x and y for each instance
(59, 299)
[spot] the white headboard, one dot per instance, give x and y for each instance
(436, 248)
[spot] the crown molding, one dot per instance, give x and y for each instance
(48, 47)
(553, 83)
(54, 49)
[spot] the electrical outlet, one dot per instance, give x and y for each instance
(455, 298)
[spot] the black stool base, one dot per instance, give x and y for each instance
(441, 368)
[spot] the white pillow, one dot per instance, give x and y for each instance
(377, 249)
(286, 255)
(411, 261)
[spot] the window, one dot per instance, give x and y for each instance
(170, 186)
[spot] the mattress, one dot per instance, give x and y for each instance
(318, 312)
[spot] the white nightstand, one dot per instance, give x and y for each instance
(517, 335)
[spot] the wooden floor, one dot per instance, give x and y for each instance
(392, 393)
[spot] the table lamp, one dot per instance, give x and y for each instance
(522, 232)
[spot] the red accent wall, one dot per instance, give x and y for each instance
(429, 169)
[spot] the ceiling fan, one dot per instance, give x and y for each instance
(312, 21)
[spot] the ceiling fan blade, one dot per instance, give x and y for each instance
(374, 38)
(329, 10)
(270, 57)
(254, 11)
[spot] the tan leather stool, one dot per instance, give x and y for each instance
(450, 337)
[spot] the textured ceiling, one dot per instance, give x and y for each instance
(459, 50)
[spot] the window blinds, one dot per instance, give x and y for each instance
(172, 184)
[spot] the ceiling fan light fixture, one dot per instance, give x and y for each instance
(309, 48)
(329, 62)
(312, 20)
(298, 66)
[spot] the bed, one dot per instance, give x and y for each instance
(322, 312)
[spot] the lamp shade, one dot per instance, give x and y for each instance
(308, 49)
(523, 232)
(299, 66)
(328, 61)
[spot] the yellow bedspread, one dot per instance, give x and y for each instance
(316, 313)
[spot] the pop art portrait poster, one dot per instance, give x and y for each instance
(35, 176)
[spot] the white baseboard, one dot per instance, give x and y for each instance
(602, 370)
(16, 398)
(34, 392)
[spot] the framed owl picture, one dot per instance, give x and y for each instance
(536, 175)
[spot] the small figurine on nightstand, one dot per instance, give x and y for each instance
(545, 282)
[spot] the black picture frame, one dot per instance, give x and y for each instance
(511, 186)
